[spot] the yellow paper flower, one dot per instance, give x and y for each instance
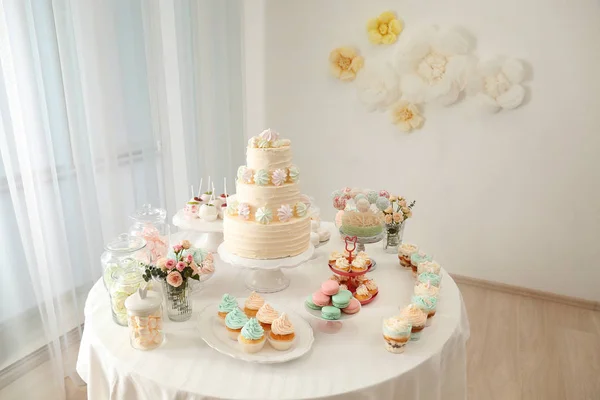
(406, 115)
(345, 63)
(384, 29)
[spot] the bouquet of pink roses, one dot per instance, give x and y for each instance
(185, 262)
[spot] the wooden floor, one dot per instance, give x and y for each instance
(521, 348)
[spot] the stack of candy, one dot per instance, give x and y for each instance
(332, 301)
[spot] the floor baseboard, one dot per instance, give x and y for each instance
(523, 291)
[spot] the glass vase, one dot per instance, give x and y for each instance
(178, 301)
(393, 237)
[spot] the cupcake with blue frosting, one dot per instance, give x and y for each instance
(427, 304)
(418, 258)
(433, 279)
(396, 333)
(234, 322)
(252, 337)
(228, 304)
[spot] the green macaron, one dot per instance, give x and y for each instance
(341, 299)
(331, 313)
(309, 303)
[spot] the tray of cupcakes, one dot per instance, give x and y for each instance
(253, 330)
(350, 270)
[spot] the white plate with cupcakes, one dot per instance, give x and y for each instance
(253, 330)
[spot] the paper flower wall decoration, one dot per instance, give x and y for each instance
(497, 84)
(407, 116)
(345, 63)
(384, 29)
(378, 87)
(433, 66)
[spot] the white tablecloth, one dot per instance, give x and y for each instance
(350, 364)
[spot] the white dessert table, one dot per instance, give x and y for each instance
(350, 364)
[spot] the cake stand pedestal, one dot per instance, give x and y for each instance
(362, 240)
(213, 231)
(265, 276)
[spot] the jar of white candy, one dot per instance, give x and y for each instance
(150, 224)
(144, 317)
(125, 283)
(121, 253)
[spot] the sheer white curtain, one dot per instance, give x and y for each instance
(104, 105)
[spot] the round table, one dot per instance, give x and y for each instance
(350, 364)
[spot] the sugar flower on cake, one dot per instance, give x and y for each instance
(406, 115)
(269, 135)
(378, 87)
(279, 177)
(301, 209)
(497, 84)
(263, 215)
(285, 213)
(433, 66)
(243, 210)
(261, 177)
(384, 29)
(294, 173)
(345, 63)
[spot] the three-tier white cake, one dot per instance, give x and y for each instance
(269, 217)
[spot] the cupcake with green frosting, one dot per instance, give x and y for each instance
(234, 322)
(252, 338)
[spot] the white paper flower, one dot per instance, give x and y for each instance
(279, 177)
(433, 66)
(285, 213)
(378, 87)
(497, 84)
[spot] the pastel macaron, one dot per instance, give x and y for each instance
(320, 299)
(342, 299)
(330, 287)
(331, 313)
(353, 307)
(309, 303)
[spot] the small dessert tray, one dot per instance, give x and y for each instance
(350, 274)
(214, 333)
(328, 325)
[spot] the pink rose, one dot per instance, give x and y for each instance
(384, 193)
(177, 248)
(194, 268)
(180, 266)
(170, 264)
(186, 244)
(398, 217)
(174, 279)
(189, 258)
(209, 257)
(402, 203)
(388, 219)
(347, 189)
(208, 267)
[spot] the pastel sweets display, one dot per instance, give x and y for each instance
(145, 321)
(271, 218)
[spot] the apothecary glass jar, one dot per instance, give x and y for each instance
(125, 283)
(145, 319)
(150, 224)
(123, 252)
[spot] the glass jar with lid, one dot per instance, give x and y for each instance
(125, 282)
(123, 252)
(144, 316)
(150, 224)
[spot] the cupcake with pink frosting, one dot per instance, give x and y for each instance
(282, 335)
(266, 315)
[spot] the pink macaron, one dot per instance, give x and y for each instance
(330, 287)
(353, 307)
(320, 299)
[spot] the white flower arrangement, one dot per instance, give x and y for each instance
(378, 87)
(433, 66)
(496, 84)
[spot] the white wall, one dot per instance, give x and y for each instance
(512, 197)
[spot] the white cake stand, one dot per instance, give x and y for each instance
(213, 231)
(265, 276)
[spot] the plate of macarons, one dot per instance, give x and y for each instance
(254, 330)
(330, 303)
